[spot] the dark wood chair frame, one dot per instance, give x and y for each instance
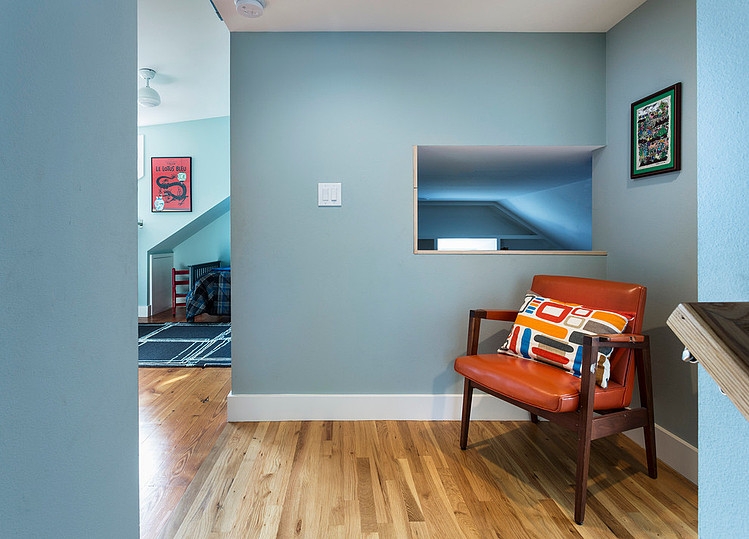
(587, 424)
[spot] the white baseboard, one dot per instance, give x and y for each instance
(672, 450)
(365, 407)
(144, 311)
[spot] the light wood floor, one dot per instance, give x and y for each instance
(325, 479)
(182, 414)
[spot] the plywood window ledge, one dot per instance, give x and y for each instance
(717, 335)
(508, 252)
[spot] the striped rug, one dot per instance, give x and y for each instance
(183, 344)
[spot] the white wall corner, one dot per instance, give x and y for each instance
(671, 450)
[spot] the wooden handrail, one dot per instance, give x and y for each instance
(717, 335)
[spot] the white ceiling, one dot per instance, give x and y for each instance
(431, 15)
(188, 46)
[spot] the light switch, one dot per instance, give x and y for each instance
(328, 194)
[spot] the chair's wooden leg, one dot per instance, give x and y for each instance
(642, 361)
(466, 415)
(534, 418)
(650, 451)
(584, 432)
(581, 477)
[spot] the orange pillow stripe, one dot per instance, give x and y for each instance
(542, 326)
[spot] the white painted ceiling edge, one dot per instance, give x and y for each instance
(188, 45)
(431, 15)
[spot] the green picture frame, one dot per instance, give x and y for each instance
(655, 133)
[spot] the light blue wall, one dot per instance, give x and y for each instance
(69, 383)
(649, 226)
(213, 242)
(333, 300)
(207, 142)
(723, 124)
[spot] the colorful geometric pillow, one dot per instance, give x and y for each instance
(552, 331)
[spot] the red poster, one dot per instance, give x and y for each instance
(171, 184)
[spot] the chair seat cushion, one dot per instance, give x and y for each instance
(534, 383)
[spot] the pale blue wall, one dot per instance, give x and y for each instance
(333, 300)
(649, 226)
(207, 142)
(69, 383)
(212, 242)
(723, 124)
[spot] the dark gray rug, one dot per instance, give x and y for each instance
(183, 344)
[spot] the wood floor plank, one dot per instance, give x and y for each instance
(269, 465)
(407, 491)
(399, 527)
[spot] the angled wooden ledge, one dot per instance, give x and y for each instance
(717, 335)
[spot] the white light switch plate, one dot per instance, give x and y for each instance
(328, 194)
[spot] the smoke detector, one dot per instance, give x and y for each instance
(250, 8)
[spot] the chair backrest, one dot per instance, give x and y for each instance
(625, 298)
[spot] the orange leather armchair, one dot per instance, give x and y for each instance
(555, 394)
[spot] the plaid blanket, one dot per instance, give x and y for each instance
(211, 294)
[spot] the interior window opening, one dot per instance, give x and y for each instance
(512, 198)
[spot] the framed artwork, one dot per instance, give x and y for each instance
(655, 134)
(171, 184)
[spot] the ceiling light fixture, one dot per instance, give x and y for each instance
(147, 96)
(250, 8)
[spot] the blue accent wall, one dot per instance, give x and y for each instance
(333, 300)
(723, 169)
(68, 341)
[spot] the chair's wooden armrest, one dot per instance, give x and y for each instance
(639, 343)
(503, 315)
(618, 340)
(614, 340)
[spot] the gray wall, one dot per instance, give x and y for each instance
(69, 418)
(649, 225)
(723, 64)
(333, 300)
